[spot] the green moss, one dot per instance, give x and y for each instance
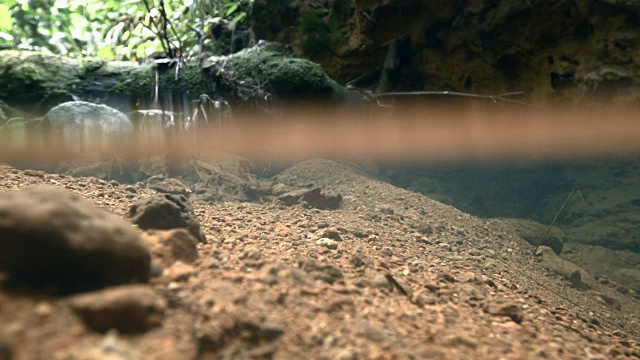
(36, 75)
(288, 77)
(141, 80)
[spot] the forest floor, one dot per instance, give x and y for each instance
(406, 277)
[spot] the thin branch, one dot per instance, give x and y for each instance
(495, 97)
(156, 31)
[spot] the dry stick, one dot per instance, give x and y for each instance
(495, 98)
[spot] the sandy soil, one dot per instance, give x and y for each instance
(410, 278)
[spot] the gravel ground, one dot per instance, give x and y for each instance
(390, 275)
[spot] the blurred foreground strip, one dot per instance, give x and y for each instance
(419, 137)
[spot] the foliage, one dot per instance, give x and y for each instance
(116, 30)
(316, 25)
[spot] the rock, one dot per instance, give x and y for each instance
(279, 189)
(332, 234)
(180, 271)
(83, 124)
(566, 268)
(629, 278)
(270, 331)
(166, 211)
(52, 236)
(533, 232)
(89, 116)
(167, 186)
(575, 279)
(608, 300)
(324, 272)
(311, 198)
(509, 309)
(110, 348)
(130, 308)
(290, 78)
(328, 243)
(169, 246)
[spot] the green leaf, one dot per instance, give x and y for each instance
(239, 18)
(5, 19)
(231, 9)
(333, 27)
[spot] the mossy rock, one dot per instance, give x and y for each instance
(287, 77)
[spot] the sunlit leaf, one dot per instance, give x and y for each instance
(106, 52)
(5, 18)
(5, 36)
(231, 9)
(237, 19)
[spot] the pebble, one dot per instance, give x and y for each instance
(169, 246)
(328, 243)
(166, 211)
(130, 308)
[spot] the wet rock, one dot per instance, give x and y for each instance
(608, 300)
(533, 232)
(167, 186)
(311, 198)
(166, 211)
(131, 308)
(629, 278)
(324, 272)
(89, 116)
(52, 236)
(84, 125)
(169, 246)
(279, 189)
(575, 279)
(566, 268)
(508, 309)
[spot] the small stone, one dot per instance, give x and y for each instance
(509, 309)
(166, 211)
(270, 331)
(462, 340)
(332, 234)
(328, 243)
(167, 186)
(169, 246)
(575, 279)
(311, 198)
(130, 308)
(110, 348)
(179, 271)
(623, 289)
(324, 272)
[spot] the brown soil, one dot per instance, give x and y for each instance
(411, 279)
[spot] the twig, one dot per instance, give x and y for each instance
(396, 284)
(555, 218)
(495, 97)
